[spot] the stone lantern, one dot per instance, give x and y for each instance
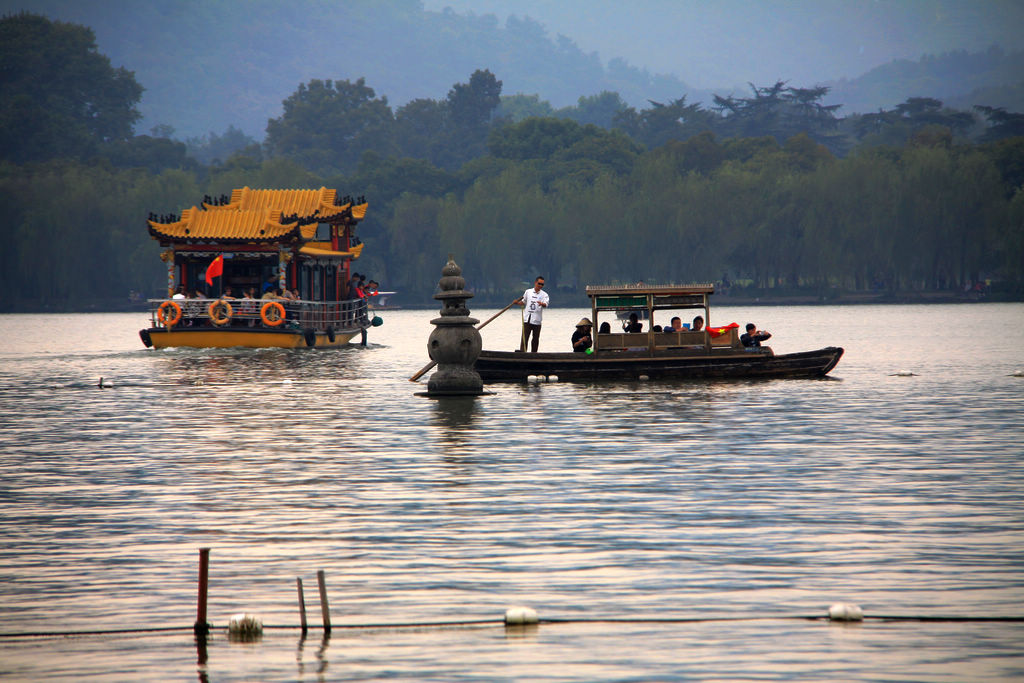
(455, 342)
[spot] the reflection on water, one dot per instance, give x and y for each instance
(623, 500)
(453, 416)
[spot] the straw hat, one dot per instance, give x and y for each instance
(585, 323)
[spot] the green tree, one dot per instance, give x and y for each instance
(517, 107)
(600, 109)
(328, 125)
(675, 120)
(212, 148)
(59, 97)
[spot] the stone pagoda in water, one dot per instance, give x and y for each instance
(455, 342)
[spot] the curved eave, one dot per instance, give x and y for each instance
(327, 253)
(230, 228)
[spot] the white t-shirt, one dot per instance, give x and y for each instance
(533, 311)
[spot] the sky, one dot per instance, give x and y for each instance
(718, 43)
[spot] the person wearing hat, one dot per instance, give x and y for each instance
(581, 339)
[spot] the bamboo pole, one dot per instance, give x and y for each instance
(324, 609)
(302, 605)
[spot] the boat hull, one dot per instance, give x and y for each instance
(257, 338)
(505, 366)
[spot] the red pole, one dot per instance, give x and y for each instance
(201, 627)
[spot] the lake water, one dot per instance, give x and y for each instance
(674, 530)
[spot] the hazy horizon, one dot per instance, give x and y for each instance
(728, 43)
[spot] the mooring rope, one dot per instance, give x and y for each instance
(467, 623)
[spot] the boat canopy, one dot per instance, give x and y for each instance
(649, 297)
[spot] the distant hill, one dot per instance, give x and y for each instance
(210, 65)
(960, 79)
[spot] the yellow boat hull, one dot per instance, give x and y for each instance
(247, 338)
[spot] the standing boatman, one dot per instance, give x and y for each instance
(533, 301)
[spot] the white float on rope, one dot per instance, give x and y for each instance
(845, 611)
(520, 616)
(552, 378)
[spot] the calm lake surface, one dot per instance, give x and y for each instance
(677, 528)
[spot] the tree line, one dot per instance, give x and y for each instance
(771, 192)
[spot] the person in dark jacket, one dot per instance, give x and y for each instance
(754, 336)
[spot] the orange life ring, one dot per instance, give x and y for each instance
(219, 312)
(265, 317)
(172, 320)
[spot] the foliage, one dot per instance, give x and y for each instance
(770, 189)
(212, 148)
(59, 97)
(328, 125)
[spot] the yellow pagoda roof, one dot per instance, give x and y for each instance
(302, 203)
(262, 225)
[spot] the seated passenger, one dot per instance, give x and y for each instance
(180, 294)
(753, 336)
(656, 328)
(698, 324)
(605, 328)
(581, 339)
(634, 324)
(677, 325)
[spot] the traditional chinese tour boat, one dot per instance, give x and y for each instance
(713, 352)
(261, 268)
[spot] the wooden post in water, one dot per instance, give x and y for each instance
(324, 609)
(302, 606)
(201, 626)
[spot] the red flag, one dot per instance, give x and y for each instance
(215, 269)
(719, 331)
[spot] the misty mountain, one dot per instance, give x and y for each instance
(210, 67)
(960, 79)
(207, 66)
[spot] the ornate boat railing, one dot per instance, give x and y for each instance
(317, 315)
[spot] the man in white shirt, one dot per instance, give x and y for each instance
(533, 301)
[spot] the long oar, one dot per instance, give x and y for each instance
(432, 363)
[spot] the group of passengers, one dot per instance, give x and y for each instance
(359, 288)
(582, 340)
(634, 326)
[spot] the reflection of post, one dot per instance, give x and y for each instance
(321, 653)
(201, 627)
(201, 655)
(324, 609)
(298, 655)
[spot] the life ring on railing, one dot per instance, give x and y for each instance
(220, 312)
(174, 318)
(272, 319)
